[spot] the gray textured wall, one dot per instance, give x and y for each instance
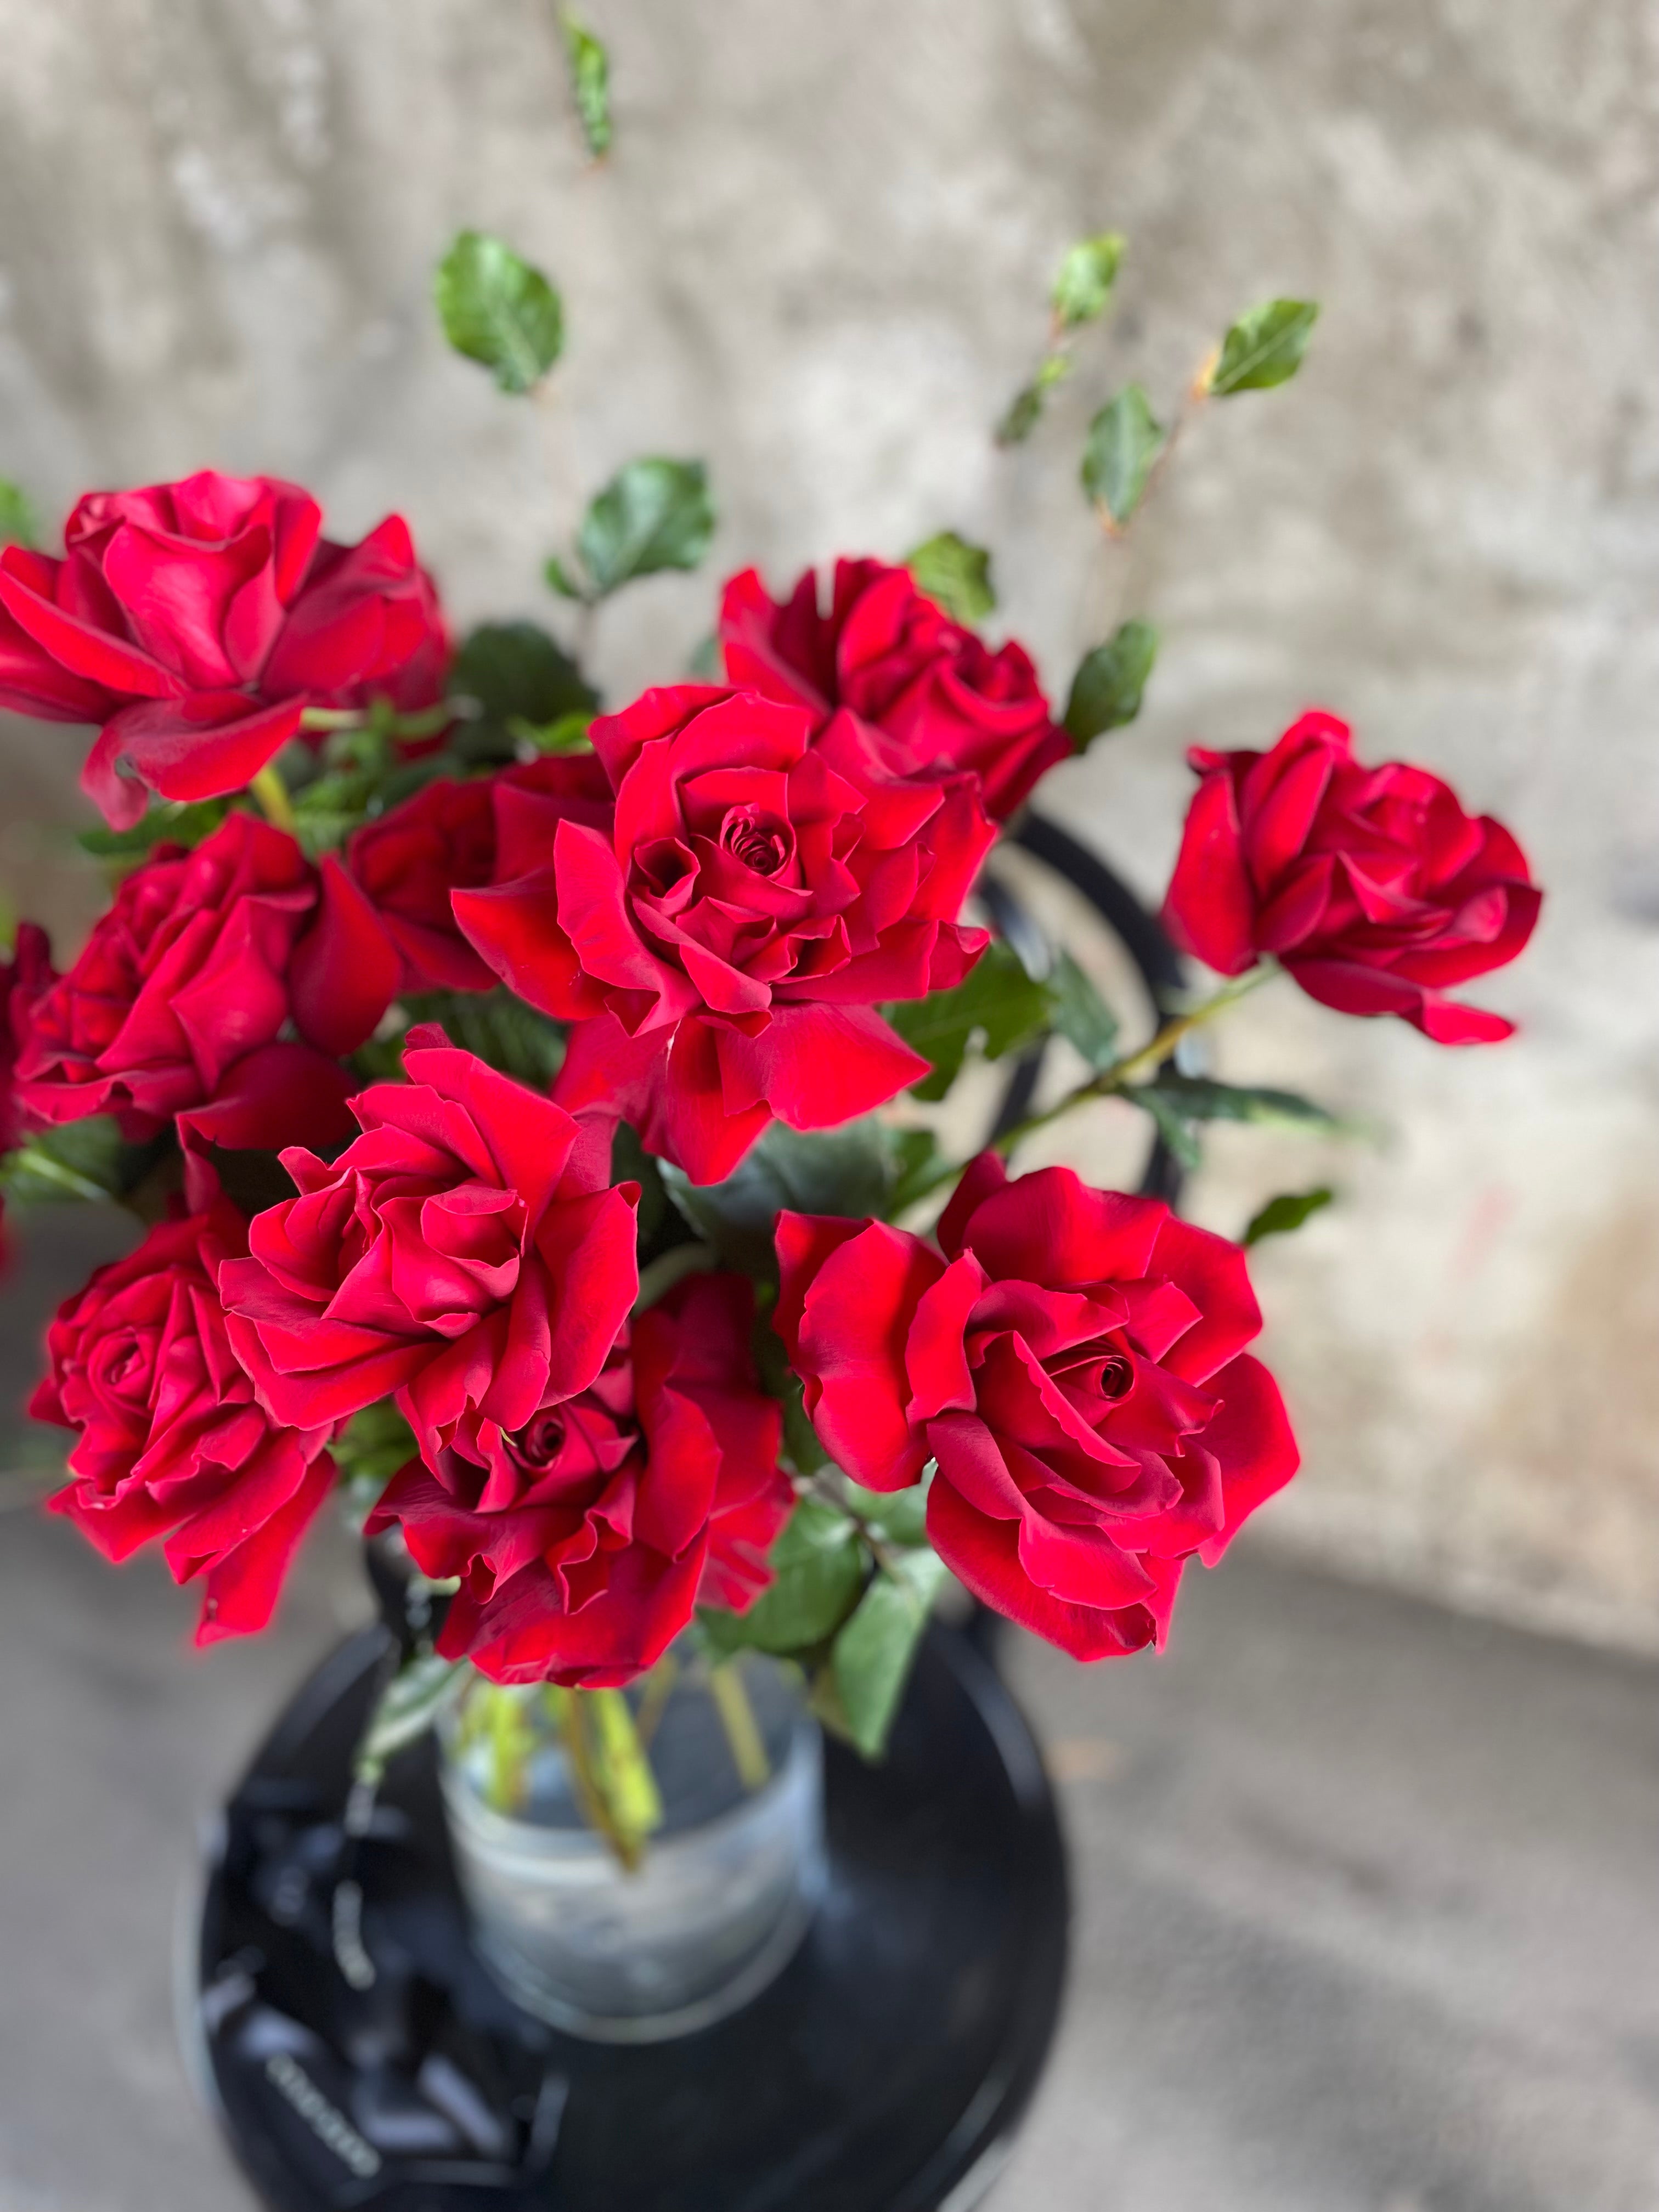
(817, 257)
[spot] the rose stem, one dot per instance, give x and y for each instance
(737, 1717)
(579, 1753)
(267, 788)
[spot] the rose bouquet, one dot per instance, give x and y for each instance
(516, 1093)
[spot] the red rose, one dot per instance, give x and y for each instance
(23, 979)
(464, 1253)
(584, 1540)
(938, 695)
(173, 1442)
(196, 620)
(385, 918)
(1371, 886)
(1074, 1363)
(185, 973)
(723, 942)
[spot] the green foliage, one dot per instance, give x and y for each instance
(1107, 691)
(18, 523)
(181, 824)
(655, 514)
(499, 1028)
(496, 308)
(1079, 1013)
(89, 1160)
(568, 734)
(590, 85)
(1285, 1212)
(818, 1566)
(998, 1005)
(892, 1517)
(1082, 289)
(517, 675)
(1264, 347)
(1025, 410)
(956, 574)
(373, 1444)
(410, 1702)
(873, 1653)
(1125, 440)
(1175, 1102)
(851, 1170)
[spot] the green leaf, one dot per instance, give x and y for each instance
(498, 1027)
(1201, 1098)
(373, 1444)
(568, 734)
(1175, 1102)
(1125, 440)
(874, 1652)
(1080, 1014)
(590, 85)
(514, 671)
(1107, 689)
(915, 1157)
(1264, 347)
(898, 1516)
(1025, 410)
(559, 579)
(1285, 1212)
(653, 514)
(849, 1171)
(818, 1566)
(1082, 289)
(998, 1004)
(410, 1702)
(497, 309)
(17, 524)
(184, 824)
(955, 573)
(89, 1159)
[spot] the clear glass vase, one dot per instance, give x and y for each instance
(702, 1907)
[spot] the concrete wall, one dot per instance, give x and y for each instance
(819, 257)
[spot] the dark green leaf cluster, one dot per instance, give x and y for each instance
(498, 1027)
(516, 677)
(1001, 1008)
(861, 1169)
(496, 308)
(850, 1601)
(655, 513)
(89, 1159)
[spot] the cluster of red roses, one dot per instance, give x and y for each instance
(717, 899)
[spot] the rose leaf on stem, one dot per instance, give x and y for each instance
(497, 309)
(956, 574)
(1263, 348)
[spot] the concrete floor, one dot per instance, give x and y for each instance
(1367, 1915)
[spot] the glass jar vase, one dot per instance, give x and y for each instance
(713, 1793)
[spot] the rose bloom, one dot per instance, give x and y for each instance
(194, 621)
(185, 975)
(464, 1253)
(1074, 1360)
(23, 979)
(173, 1443)
(723, 940)
(938, 696)
(386, 920)
(1371, 886)
(584, 1539)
